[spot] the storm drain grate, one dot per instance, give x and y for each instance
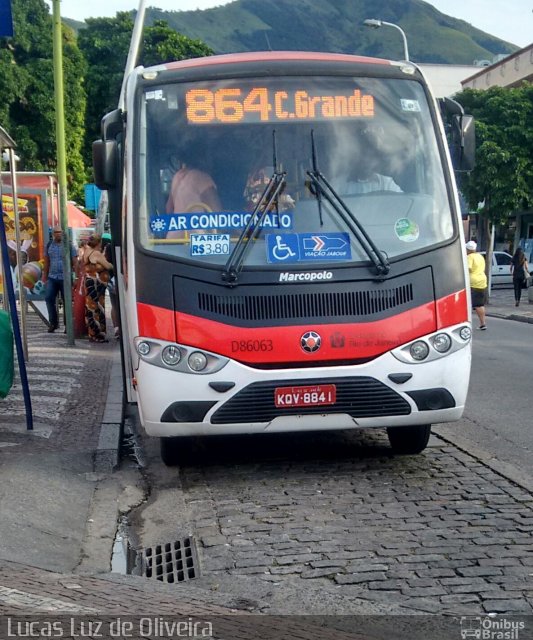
(171, 562)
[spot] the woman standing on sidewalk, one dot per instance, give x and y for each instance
(97, 274)
(520, 271)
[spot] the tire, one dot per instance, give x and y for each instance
(409, 440)
(170, 451)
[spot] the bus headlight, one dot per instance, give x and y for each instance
(178, 358)
(171, 355)
(441, 342)
(419, 350)
(143, 348)
(197, 361)
(435, 345)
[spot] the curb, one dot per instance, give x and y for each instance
(102, 518)
(107, 451)
(504, 469)
(509, 316)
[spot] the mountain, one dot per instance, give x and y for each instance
(336, 25)
(76, 25)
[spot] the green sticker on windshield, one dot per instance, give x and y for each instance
(406, 230)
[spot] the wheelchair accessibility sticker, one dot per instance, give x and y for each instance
(302, 247)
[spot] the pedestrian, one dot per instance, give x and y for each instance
(478, 281)
(112, 286)
(97, 275)
(53, 275)
(520, 271)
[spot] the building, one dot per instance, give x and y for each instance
(445, 79)
(509, 71)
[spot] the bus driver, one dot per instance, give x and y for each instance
(192, 190)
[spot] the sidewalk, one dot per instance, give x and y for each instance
(47, 475)
(502, 305)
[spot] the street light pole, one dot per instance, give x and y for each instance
(376, 24)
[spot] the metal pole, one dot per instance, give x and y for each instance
(62, 170)
(375, 24)
(405, 48)
(51, 203)
(5, 298)
(22, 290)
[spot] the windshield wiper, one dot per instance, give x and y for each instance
(321, 188)
(269, 197)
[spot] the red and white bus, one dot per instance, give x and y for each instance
(290, 247)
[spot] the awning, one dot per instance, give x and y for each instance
(76, 217)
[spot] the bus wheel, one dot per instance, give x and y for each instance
(170, 451)
(409, 440)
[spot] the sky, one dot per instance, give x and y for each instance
(511, 21)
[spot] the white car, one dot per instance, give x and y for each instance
(501, 268)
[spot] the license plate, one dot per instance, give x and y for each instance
(315, 396)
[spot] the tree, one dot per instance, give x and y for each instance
(105, 44)
(503, 176)
(27, 83)
(162, 44)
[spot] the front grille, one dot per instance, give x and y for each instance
(360, 397)
(299, 306)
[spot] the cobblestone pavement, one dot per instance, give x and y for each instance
(96, 606)
(322, 518)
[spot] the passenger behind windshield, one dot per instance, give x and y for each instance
(192, 190)
(256, 183)
(362, 165)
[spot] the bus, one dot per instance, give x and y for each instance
(289, 246)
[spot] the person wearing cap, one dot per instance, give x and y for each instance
(478, 281)
(53, 275)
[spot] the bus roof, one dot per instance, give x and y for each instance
(265, 56)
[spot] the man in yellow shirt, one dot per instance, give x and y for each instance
(478, 281)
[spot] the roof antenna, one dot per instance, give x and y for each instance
(267, 41)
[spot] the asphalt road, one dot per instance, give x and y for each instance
(499, 409)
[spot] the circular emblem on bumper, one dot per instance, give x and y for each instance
(310, 341)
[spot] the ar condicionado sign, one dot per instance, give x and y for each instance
(260, 104)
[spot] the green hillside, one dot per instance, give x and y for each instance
(336, 25)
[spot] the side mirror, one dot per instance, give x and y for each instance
(460, 130)
(105, 163)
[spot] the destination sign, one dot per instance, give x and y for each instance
(234, 105)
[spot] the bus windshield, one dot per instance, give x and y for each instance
(208, 151)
